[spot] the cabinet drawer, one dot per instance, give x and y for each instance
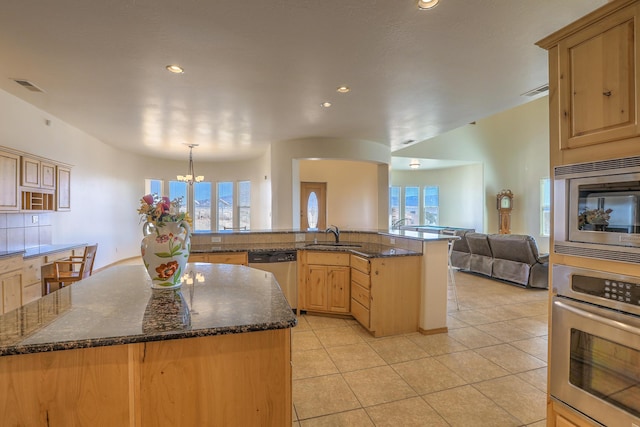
(361, 264)
(360, 294)
(327, 258)
(361, 278)
(32, 271)
(360, 313)
(48, 259)
(31, 293)
(239, 258)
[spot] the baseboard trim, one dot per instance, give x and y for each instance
(433, 331)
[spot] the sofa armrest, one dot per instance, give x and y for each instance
(543, 258)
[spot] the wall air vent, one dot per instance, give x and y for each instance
(537, 91)
(28, 85)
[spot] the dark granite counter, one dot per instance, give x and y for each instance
(50, 249)
(118, 306)
(367, 250)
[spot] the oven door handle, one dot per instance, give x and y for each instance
(608, 317)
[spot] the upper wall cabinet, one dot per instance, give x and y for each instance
(9, 175)
(31, 183)
(593, 81)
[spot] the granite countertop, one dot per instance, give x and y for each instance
(118, 306)
(367, 250)
(41, 250)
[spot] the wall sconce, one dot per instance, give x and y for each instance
(414, 164)
(427, 4)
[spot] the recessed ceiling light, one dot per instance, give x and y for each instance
(326, 104)
(427, 4)
(176, 69)
(343, 89)
(414, 164)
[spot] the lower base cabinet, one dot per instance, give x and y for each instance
(238, 258)
(226, 380)
(385, 294)
(325, 282)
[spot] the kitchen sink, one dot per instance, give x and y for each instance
(332, 245)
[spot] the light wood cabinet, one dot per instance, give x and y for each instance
(325, 282)
(224, 380)
(238, 258)
(30, 172)
(560, 416)
(10, 283)
(9, 177)
(385, 294)
(593, 85)
(63, 190)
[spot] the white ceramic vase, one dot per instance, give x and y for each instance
(165, 252)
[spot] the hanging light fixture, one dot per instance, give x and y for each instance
(191, 177)
(414, 164)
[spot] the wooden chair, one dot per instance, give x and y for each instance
(71, 270)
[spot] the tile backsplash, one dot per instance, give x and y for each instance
(19, 231)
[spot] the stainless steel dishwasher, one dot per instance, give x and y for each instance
(283, 266)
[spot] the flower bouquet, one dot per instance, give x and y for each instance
(166, 243)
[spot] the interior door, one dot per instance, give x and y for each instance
(313, 205)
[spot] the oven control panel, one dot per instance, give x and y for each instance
(607, 288)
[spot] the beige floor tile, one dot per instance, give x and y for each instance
(411, 412)
(530, 309)
(437, 344)
(536, 347)
(362, 332)
(471, 317)
(535, 377)
(453, 323)
(473, 338)
(519, 398)
(505, 331)
(357, 418)
(536, 326)
(378, 385)
(541, 423)
(302, 325)
(354, 357)
(314, 397)
(307, 340)
(428, 375)
(500, 313)
(398, 349)
(332, 337)
(465, 406)
(471, 366)
(321, 322)
(510, 358)
(312, 363)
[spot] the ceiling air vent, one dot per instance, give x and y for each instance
(28, 85)
(537, 91)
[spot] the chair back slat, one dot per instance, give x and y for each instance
(86, 268)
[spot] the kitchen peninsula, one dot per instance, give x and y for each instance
(110, 351)
(391, 282)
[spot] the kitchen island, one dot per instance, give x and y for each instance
(111, 351)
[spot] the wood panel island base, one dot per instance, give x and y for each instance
(166, 369)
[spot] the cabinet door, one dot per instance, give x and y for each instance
(316, 292)
(9, 175)
(598, 95)
(11, 291)
(47, 176)
(63, 199)
(338, 281)
(30, 172)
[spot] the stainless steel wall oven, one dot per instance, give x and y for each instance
(595, 345)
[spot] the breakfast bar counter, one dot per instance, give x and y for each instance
(111, 351)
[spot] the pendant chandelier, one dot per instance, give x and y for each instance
(191, 177)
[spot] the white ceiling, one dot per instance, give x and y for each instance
(257, 71)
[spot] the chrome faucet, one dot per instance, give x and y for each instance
(336, 232)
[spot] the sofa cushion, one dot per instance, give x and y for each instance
(514, 247)
(481, 259)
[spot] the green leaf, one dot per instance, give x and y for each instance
(163, 254)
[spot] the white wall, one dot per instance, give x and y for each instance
(461, 193)
(352, 191)
(285, 157)
(513, 147)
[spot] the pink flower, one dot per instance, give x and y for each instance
(163, 238)
(148, 199)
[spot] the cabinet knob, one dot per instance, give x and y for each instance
(607, 93)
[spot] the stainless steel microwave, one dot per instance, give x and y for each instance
(597, 209)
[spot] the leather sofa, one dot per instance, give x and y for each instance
(510, 257)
